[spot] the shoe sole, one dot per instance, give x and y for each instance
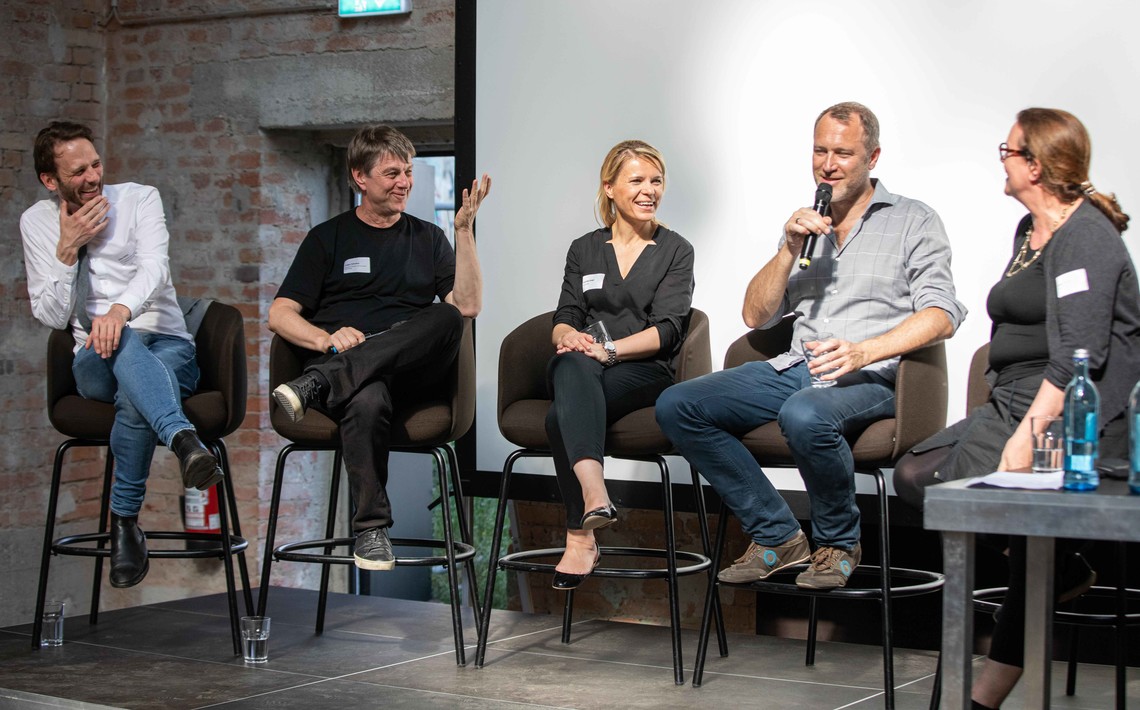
(136, 580)
(373, 565)
(838, 585)
(204, 473)
(597, 522)
(288, 400)
(765, 575)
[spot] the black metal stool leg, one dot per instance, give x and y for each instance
(813, 626)
(49, 537)
(466, 532)
(330, 532)
(104, 523)
(706, 547)
(710, 600)
(271, 529)
(228, 565)
(567, 615)
(452, 572)
(885, 569)
(671, 566)
(493, 555)
(223, 456)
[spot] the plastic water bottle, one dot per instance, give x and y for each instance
(1134, 439)
(1082, 415)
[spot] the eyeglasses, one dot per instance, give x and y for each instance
(1004, 151)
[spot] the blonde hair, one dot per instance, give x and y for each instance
(615, 160)
(1058, 142)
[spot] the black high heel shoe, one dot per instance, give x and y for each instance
(564, 581)
(599, 517)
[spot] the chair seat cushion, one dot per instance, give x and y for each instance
(523, 423)
(82, 418)
(427, 424)
(873, 447)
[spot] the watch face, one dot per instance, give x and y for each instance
(610, 346)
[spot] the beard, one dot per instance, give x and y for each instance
(72, 195)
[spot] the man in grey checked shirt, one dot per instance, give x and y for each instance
(881, 283)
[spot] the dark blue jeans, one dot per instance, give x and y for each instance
(146, 377)
(706, 417)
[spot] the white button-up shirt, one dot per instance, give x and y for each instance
(128, 265)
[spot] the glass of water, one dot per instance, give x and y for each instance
(598, 332)
(814, 341)
(255, 639)
(52, 634)
(1048, 444)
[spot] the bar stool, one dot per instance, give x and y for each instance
(920, 410)
(426, 427)
(216, 410)
(522, 406)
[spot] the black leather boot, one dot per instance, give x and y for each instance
(199, 467)
(129, 563)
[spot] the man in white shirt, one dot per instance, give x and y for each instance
(96, 257)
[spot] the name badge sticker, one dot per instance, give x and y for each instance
(1075, 281)
(592, 281)
(359, 265)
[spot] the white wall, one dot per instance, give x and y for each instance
(729, 89)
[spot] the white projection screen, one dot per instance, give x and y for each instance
(729, 90)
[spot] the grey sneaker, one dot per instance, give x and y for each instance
(373, 550)
(297, 396)
(830, 567)
(759, 561)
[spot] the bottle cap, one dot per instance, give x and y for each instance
(1081, 354)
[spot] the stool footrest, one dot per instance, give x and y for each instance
(522, 562)
(77, 545)
(292, 552)
(915, 583)
(990, 600)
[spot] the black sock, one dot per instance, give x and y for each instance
(975, 705)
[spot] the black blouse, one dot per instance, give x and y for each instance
(657, 291)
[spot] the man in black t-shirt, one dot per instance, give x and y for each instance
(361, 294)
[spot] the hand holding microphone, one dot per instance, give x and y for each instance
(822, 206)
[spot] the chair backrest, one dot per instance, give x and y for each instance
(977, 389)
(220, 344)
(921, 391)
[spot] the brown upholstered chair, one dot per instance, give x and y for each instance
(522, 406)
(216, 410)
(427, 427)
(920, 411)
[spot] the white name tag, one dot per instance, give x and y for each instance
(1072, 282)
(592, 281)
(359, 265)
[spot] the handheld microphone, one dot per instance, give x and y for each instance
(822, 206)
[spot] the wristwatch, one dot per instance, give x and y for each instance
(611, 352)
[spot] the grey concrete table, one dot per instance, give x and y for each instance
(1108, 513)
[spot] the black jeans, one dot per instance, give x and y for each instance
(587, 399)
(367, 383)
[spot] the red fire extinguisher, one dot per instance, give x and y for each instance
(200, 513)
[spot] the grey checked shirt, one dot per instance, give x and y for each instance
(895, 263)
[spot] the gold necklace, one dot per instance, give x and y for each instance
(1019, 264)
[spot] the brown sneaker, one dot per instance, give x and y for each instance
(759, 561)
(830, 567)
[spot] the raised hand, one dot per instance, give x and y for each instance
(472, 199)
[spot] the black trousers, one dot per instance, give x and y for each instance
(368, 383)
(588, 397)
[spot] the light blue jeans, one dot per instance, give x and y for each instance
(705, 418)
(146, 378)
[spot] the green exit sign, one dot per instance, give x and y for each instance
(364, 8)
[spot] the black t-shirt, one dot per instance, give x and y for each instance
(1019, 343)
(348, 273)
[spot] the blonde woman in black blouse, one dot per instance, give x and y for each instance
(636, 277)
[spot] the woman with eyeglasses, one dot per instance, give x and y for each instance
(1069, 284)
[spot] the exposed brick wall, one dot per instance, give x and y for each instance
(215, 104)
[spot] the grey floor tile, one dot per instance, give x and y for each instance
(357, 695)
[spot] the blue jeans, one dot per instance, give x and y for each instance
(705, 418)
(146, 377)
